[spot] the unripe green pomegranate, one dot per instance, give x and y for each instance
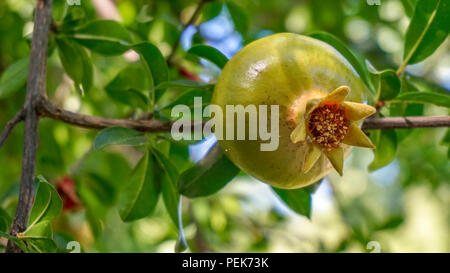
(319, 97)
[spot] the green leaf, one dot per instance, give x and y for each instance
(106, 37)
(5, 220)
(208, 176)
(386, 143)
(95, 223)
(140, 195)
(170, 192)
(42, 245)
(392, 222)
(424, 97)
(41, 230)
(59, 9)
(14, 77)
(96, 187)
(16, 240)
(388, 85)
(209, 53)
(299, 200)
(154, 62)
(184, 84)
(88, 71)
(408, 6)
(47, 203)
(187, 98)
(313, 187)
(446, 139)
(119, 136)
(76, 63)
(347, 53)
(428, 28)
(127, 85)
(211, 9)
(238, 16)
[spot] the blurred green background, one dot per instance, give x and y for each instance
(403, 207)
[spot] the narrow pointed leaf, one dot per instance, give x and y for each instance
(388, 86)
(42, 245)
(76, 63)
(184, 84)
(153, 61)
(429, 27)
(170, 192)
(238, 16)
(127, 87)
(187, 98)
(140, 195)
(14, 77)
(408, 6)
(209, 53)
(119, 136)
(208, 176)
(386, 142)
(47, 203)
(106, 37)
(298, 200)
(41, 230)
(5, 220)
(16, 240)
(424, 97)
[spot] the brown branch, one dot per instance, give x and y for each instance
(10, 125)
(190, 22)
(405, 122)
(48, 109)
(35, 90)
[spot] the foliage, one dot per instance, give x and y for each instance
(94, 69)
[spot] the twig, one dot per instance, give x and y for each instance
(10, 125)
(48, 109)
(190, 22)
(405, 122)
(37, 105)
(35, 89)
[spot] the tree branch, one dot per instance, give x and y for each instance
(35, 90)
(48, 109)
(10, 125)
(405, 122)
(190, 22)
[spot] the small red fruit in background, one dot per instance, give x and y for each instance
(66, 188)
